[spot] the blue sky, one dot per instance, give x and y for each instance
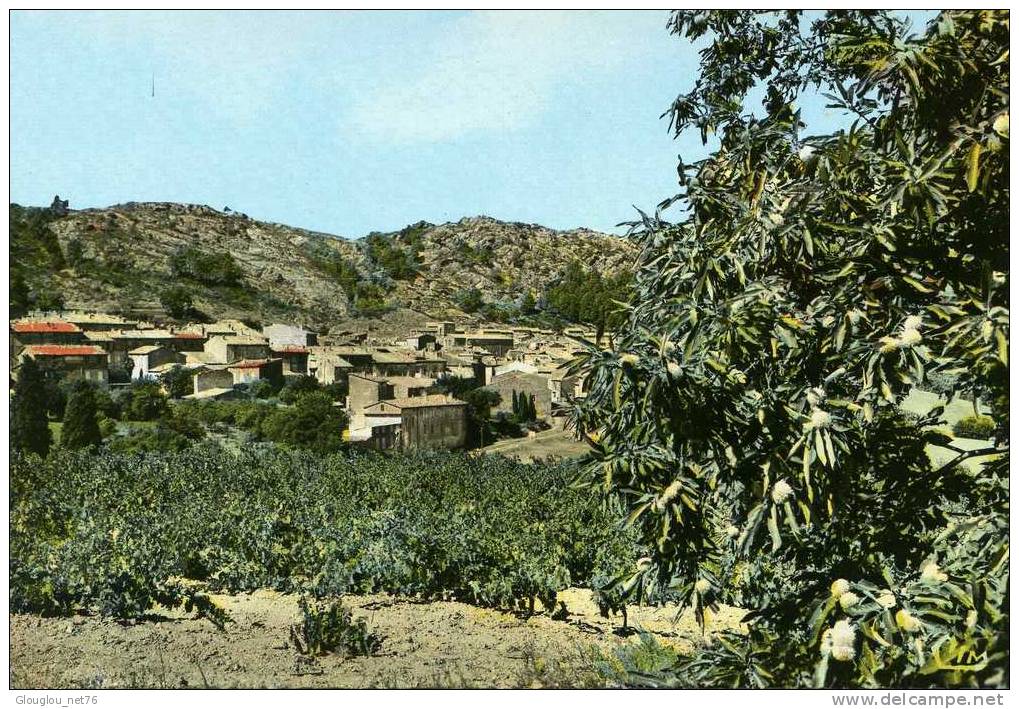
(348, 122)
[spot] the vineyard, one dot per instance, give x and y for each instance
(116, 534)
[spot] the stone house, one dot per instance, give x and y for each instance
(386, 363)
(434, 421)
(122, 342)
(208, 377)
(187, 341)
(464, 365)
(497, 343)
(362, 392)
(295, 358)
(359, 358)
(71, 362)
(235, 348)
(217, 393)
(281, 336)
(565, 387)
(149, 357)
(420, 341)
(46, 332)
(530, 384)
(408, 387)
(249, 371)
(329, 368)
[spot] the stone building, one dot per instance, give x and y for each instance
(362, 392)
(120, 343)
(434, 421)
(329, 368)
(408, 387)
(281, 335)
(71, 362)
(46, 332)
(234, 348)
(565, 387)
(147, 358)
(385, 363)
(295, 358)
(211, 376)
(495, 342)
(529, 384)
(249, 371)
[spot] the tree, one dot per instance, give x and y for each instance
(19, 294)
(469, 300)
(516, 404)
(81, 425)
(147, 403)
(749, 416)
(177, 302)
(75, 254)
(178, 382)
(30, 431)
(480, 402)
(213, 269)
(312, 422)
(298, 387)
(588, 297)
(528, 305)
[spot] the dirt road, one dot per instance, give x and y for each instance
(425, 644)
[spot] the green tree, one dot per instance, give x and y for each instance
(75, 254)
(178, 382)
(30, 430)
(177, 302)
(528, 305)
(469, 300)
(213, 269)
(748, 419)
(19, 294)
(81, 425)
(588, 297)
(298, 387)
(312, 423)
(147, 403)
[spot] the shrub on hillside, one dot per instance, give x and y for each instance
(974, 427)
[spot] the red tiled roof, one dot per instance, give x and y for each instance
(189, 336)
(292, 349)
(45, 326)
(64, 350)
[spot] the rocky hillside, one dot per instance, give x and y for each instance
(125, 257)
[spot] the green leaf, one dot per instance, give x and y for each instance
(973, 170)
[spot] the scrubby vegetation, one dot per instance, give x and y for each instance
(34, 252)
(212, 269)
(326, 626)
(974, 427)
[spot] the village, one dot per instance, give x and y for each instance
(391, 386)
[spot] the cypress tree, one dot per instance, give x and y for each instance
(30, 430)
(532, 410)
(516, 404)
(81, 425)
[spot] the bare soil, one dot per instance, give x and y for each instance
(425, 644)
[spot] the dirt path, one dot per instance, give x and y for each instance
(425, 644)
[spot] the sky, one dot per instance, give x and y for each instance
(351, 122)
